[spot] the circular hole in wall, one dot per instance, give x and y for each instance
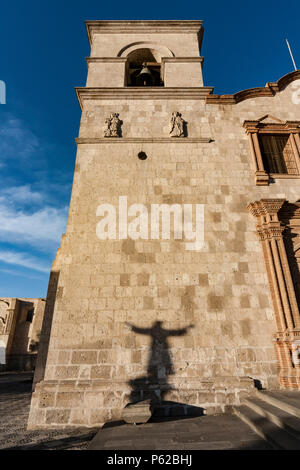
(142, 156)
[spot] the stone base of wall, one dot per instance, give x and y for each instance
(95, 402)
(21, 362)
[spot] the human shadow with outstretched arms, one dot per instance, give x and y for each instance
(154, 384)
(160, 361)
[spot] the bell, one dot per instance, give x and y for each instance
(145, 78)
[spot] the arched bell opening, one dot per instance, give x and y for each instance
(143, 68)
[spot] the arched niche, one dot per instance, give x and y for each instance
(143, 65)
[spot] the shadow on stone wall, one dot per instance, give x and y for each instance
(46, 329)
(155, 385)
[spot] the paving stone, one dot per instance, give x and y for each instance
(206, 432)
(15, 396)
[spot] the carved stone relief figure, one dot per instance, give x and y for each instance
(3, 316)
(113, 126)
(2, 322)
(177, 125)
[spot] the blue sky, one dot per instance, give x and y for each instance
(43, 46)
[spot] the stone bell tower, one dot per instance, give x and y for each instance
(131, 312)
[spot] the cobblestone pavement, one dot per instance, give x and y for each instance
(15, 394)
(206, 432)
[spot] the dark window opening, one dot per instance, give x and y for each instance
(277, 154)
(30, 315)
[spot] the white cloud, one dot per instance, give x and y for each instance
(16, 140)
(42, 228)
(21, 194)
(14, 272)
(22, 259)
(26, 214)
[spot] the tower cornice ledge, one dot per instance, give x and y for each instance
(143, 26)
(142, 93)
(143, 140)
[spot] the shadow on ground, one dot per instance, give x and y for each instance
(71, 443)
(223, 432)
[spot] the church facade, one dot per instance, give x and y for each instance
(178, 276)
(20, 328)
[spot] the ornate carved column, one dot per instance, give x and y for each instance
(270, 231)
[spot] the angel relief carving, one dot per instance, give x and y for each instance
(177, 125)
(113, 126)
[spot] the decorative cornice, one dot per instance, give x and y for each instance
(124, 59)
(265, 232)
(142, 93)
(182, 59)
(105, 59)
(254, 208)
(270, 89)
(260, 126)
(240, 96)
(283, 176)
(145, 27)
(265, 207)
(144, 140)
(265, 211)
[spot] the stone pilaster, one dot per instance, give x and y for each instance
(270, 231)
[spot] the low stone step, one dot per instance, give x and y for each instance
(281, 418)
(288, 401)
(273, 434)
(137, 413)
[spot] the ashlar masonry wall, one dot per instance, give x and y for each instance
(138, 318)
(222, 290)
